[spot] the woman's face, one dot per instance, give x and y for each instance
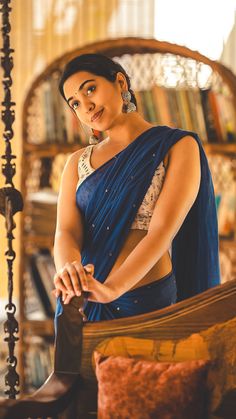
(96, 101)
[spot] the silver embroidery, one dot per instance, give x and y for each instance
(84, 166)
(145, 211)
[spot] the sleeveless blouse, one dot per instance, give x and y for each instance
(145, 211)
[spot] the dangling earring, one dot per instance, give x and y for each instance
(95, 137)
(128, 106)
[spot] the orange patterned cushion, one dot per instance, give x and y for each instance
(141, 389)
(216, 343)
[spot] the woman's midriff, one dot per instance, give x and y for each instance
(160, 269)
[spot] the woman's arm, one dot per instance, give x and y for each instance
(66, 249)
(179, 191)
(69, 232)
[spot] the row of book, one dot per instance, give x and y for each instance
(209, 113)
(222, 169)
(42, 205)
(38, 361)
(42, 208)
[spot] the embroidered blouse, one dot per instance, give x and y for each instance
(145, 211)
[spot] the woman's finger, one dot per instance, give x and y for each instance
(89, 268)
(57, 292)
(62, 283)
(58, 283)
(90, 272)
(71, 278)
(82, 277)
(75, 279)
(68, 298)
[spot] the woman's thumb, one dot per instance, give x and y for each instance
(89, 268)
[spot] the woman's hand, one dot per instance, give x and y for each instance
(75, 278)
(70, 281)
(98, 292)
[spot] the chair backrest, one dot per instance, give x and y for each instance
(174, 323)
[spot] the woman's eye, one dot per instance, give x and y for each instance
(91, 88)
(75, 104)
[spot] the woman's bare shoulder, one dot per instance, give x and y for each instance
(186, 143)
(70, 170)
(74, 157)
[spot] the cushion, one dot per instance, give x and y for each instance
(216, 343)
(141, 389)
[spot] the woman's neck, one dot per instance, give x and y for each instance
(125, 132)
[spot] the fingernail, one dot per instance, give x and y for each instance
(78, 293)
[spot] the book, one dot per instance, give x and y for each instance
(46, 269)
(149, 106)
(222, 170)
(33, 306)
(160, 100)
(196, 111)
(42, 207)
(174, 108)
(209, 116)
(227, 116)
(218, 122)
(43, 279)
(38, 361)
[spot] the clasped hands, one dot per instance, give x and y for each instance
(74, 278)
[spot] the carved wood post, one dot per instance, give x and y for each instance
(10, 198)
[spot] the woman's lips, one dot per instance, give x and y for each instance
(97, 115)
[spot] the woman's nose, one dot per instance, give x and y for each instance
(87, 106)
(90, 107)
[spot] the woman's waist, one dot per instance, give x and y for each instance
(158, 288)
(158, 271)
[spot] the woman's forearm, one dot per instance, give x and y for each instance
(65, 249)
(139, 262)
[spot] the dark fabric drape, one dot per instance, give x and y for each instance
(109, 199)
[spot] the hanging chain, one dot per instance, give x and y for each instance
(10, 198)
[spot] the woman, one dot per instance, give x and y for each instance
(128, 201)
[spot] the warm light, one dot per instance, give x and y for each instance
(202, 25)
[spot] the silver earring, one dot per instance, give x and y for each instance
(128, 106)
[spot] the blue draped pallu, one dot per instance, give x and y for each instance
(109, 199)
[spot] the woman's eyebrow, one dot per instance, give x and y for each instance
(80, 88)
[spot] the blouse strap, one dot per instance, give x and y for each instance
(84, 166)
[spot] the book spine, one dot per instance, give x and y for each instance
(208, 116)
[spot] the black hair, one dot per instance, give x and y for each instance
(96, 64)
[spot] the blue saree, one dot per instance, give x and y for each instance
(109, 199)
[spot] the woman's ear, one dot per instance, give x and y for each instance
(121, 79)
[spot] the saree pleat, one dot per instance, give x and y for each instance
(109, 199)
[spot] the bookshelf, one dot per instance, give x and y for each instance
(174, 86)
